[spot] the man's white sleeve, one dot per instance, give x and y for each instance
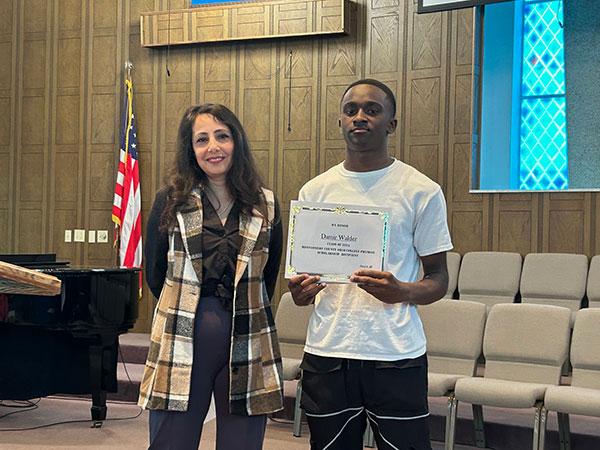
(431, 233)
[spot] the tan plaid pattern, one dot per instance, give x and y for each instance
(255, 368)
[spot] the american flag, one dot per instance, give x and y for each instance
(127, 205)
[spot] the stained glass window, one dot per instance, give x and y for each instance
(543, 128)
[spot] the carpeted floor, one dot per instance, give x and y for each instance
(125, 429)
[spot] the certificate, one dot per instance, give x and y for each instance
(334, 240)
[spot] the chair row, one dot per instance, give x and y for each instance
(525, 347)
(559, 279)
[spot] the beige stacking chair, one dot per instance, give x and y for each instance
(593, 283)
(453, 264)
(454, 332)
(525, 347)
(583, 395)
(292, 322)
(490, 277)
(554, 279)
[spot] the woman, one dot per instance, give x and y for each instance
(213, 247)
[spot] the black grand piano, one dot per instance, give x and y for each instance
(67, 343)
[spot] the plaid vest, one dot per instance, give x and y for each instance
(256, 383)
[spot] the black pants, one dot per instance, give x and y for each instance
(340, 395)
(175, 430)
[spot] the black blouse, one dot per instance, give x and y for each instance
(220, 246)
(219, 253)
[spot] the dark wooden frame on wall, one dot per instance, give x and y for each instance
(244, 21)
(456, 4)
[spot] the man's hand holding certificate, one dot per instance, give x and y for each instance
(333, 241)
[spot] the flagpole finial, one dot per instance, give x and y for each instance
(128, 67)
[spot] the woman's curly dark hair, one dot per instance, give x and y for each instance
(243, 179)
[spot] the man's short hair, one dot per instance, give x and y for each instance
(388, 92)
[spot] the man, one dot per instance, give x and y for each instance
(365, 349)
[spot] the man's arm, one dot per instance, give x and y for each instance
(304, 288)
(387, 288)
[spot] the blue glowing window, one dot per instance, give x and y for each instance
(543, 128)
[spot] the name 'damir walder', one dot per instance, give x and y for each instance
(339, 237)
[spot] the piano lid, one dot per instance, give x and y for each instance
(19, 280)
(33, 260)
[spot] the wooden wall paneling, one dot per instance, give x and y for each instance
(457, 159)
(258, 96)
(342, 62)
(426, 86)
(243, 21)
(9, 47)
(293, 18)
(175, 96)
(469, 227)
(460, 201)
(178, 93)
(567, 222)
(67, 134)
(515, 222)
(258, 103)
(146, 109)
(32, 158)
(111, 23)
(385, 55)
(155, 145)
(251, 21)
(217, 70)
(61, 98)
(104, 98)
(332, 16)
(100, 255)
(588, 224)
(296, 151)
(461, 75)
(72, 78)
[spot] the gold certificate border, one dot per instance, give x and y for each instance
(340, 210)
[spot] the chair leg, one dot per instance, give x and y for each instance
(564, 432)
(298, 411)
(450, 422)
(539, 426)
(369, 437)
(478, 423)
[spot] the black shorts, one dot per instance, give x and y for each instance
(339, 395)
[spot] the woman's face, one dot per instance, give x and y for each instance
(212, 142)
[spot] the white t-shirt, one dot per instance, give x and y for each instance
(348, 322)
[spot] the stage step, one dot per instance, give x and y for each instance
(134, 347)
(130, 368)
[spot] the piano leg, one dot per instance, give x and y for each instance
(98, 361)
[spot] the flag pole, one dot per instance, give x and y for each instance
(117, 231)
(128, 67)
(126, 212)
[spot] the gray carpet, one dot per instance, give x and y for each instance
(505, 429)
(121, 431)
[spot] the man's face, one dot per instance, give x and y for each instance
(366, 118)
